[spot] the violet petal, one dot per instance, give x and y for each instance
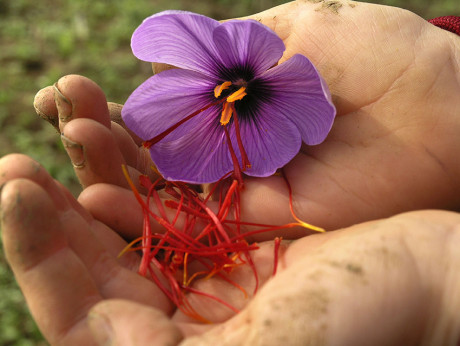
(298, 93)
(165, 99)
(200, 156)
(182, 39)
(247, 45)
(270, 142)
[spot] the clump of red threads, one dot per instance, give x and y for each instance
(195, 233)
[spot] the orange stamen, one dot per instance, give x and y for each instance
(221, 87)
(237, 95)
(227, 111)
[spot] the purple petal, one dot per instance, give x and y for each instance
(182, 39)
(270, 142)
(200, 156)
(248, 44)
(298, 93)
(165, 99)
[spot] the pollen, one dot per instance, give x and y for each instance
(227, 112)
(237, 95)
(221, 87)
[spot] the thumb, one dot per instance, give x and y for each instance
(121, 322)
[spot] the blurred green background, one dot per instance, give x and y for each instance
(43, 40)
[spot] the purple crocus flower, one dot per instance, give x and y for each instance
(229, 106)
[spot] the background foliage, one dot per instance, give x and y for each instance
(42, 40)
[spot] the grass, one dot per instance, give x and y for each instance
(41, 41)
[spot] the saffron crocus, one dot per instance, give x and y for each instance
(228, 106)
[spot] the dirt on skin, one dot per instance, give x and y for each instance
(334, 6)
(331, 5)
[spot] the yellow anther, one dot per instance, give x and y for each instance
(227, 111)
(237, 95)
(309, 226)
(219, 88)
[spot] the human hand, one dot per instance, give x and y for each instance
(63, 259)
(389, 150)
(392, 281)
(387, 282)
(393, 145)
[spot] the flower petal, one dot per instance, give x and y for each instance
(247, 45)
(165, 99)
(200, 156)
(298, 93)
(178, 38)
(270, 142)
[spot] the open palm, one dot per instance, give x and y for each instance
(390, 149)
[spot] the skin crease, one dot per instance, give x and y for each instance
(391, 77)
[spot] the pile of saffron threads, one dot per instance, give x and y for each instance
(219, 246)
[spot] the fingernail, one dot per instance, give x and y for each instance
(45, 108)
(63, 105)
(101, 328)
(75, 151)
(52, 120)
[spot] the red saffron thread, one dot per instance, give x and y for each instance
(147, 144)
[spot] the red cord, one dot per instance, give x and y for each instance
(449, 23)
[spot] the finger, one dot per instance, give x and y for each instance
(45, 106)
(117, 208)
(98, 153)
(136, 157)
(111, 279)
(112, 242)
(115, 112)
(93, 243)
(56, 284)
(115, 116)
(79, 97)
(157, 67)
(118, 322)
(94, 152)
(16, 166)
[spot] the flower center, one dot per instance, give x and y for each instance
(228, 108)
